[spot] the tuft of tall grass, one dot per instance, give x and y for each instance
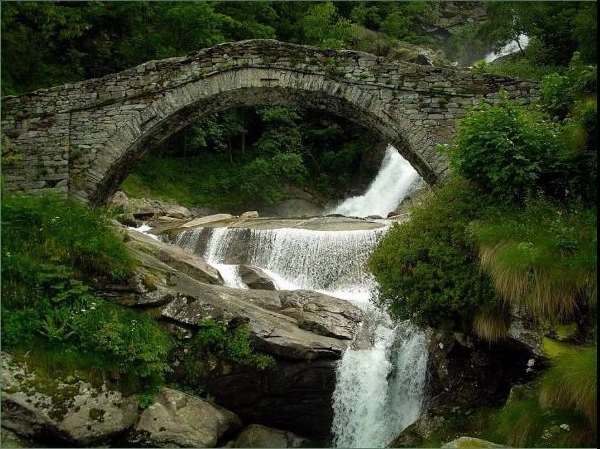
(491, 323)
(571, 383)
(49, 229)
(541, 256)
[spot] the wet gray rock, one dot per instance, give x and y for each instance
(290, 324)
(256, 435)
(78, 413)
(175, 257)
(177, 419)
(255, 278)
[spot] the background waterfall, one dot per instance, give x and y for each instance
(381, 377)
(396, 178)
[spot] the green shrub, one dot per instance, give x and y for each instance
(53, 251)
(427, 267)
(505, 149)
(229, 343)
(133, 341)
(541, 256)
(559, 91)
(50, 229)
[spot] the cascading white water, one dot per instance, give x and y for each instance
(394, 181)
(522, 41)
(379, 388)
(326, 261)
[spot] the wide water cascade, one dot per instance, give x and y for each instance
(381, 376)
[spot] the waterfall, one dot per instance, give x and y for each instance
(393, 182)
(379, 386)
(379, 390)
(510, 48)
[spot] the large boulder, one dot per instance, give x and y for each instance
(38, 407)
(146, 209)
(175, 257)
(255, 278)
(290, 324)
(177, 419)
(256, 435)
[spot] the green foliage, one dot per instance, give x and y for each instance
(427, 267)
(559, 91)
(516, 67)
(39, 230)
(229, 343)
(541, 256)
(53, 252)
(325, 28)
(524, 423)
(571, 383)
(505, 149)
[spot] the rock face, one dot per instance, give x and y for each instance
(255, 278)
(256, 435)
(464, 374)
(181, 420)
(291, 324)
(77, 413)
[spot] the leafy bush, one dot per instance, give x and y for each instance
(541, 256)
(53, 249)
(50, 229)
(559, 91)
(229, 343)
(505, 149)
(427, 267)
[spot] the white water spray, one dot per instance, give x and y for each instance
(379, 390)
(513, 46)
(394, 181)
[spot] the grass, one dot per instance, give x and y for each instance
(517, 67)
(54, 253)
(192, 182)
(541, 256)
(571, 383)
(491, 323)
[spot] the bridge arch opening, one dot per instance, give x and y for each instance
(178, 109)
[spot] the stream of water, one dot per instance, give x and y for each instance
(379, 388)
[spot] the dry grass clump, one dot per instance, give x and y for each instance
(541, 257)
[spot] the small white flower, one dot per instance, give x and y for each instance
(565, 427)
(530, 362)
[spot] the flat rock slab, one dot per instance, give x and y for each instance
(313, 224)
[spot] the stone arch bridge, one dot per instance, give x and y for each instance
(83, 138)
